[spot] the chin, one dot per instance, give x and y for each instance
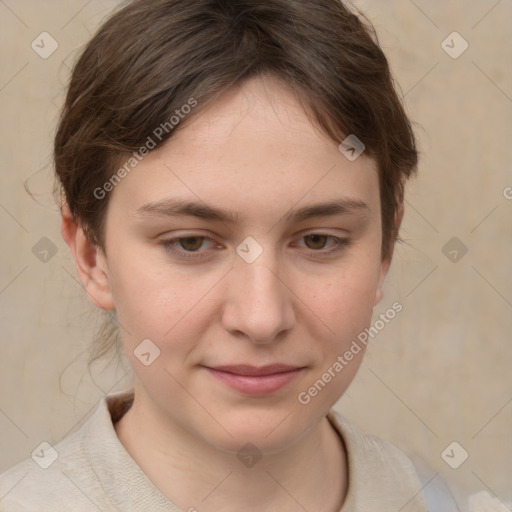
(271, 430)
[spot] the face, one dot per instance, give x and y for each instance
(247, 249)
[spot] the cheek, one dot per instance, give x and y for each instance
(343, 309)
(344, 299)
(163, 304)
(144, 286)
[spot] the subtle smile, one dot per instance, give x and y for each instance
(256, 381)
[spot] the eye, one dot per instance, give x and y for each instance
(317, 243)
(189, 247)
(186, 247)
(191, 243)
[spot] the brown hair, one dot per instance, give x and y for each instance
(150, 58)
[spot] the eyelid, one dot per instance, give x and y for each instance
(170, 245)
(339, 243)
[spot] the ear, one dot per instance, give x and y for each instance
(89, 259)
(386, 263)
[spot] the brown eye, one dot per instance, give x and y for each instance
(318, 241)
(192, 243)
(323, 244)
(189, 247)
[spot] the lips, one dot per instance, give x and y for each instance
(256, 381)
(255, 371)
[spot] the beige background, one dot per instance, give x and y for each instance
(439, 372)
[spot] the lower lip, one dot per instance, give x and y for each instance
(255, 385)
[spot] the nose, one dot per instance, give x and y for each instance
(260, 304)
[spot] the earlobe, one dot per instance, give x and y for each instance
(384, 267)
(385, 264)
(378, 296)
(90, 261)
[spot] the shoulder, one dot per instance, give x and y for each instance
(382, 471)
(368, 450)
(59, 477)
(437, 493)
(46, 478)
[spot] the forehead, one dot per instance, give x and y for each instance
(255, 150)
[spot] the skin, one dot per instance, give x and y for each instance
(255, 152)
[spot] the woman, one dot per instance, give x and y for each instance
(232, 178)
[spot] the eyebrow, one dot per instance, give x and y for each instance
(172, 208)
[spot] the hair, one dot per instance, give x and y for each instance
(153, 57)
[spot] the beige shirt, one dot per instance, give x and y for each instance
(93, 472)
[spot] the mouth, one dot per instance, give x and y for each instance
(256, 381)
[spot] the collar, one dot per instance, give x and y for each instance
(381, 477)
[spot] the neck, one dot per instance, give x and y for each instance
(309, 475)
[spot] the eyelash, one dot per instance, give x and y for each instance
(170, 245)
